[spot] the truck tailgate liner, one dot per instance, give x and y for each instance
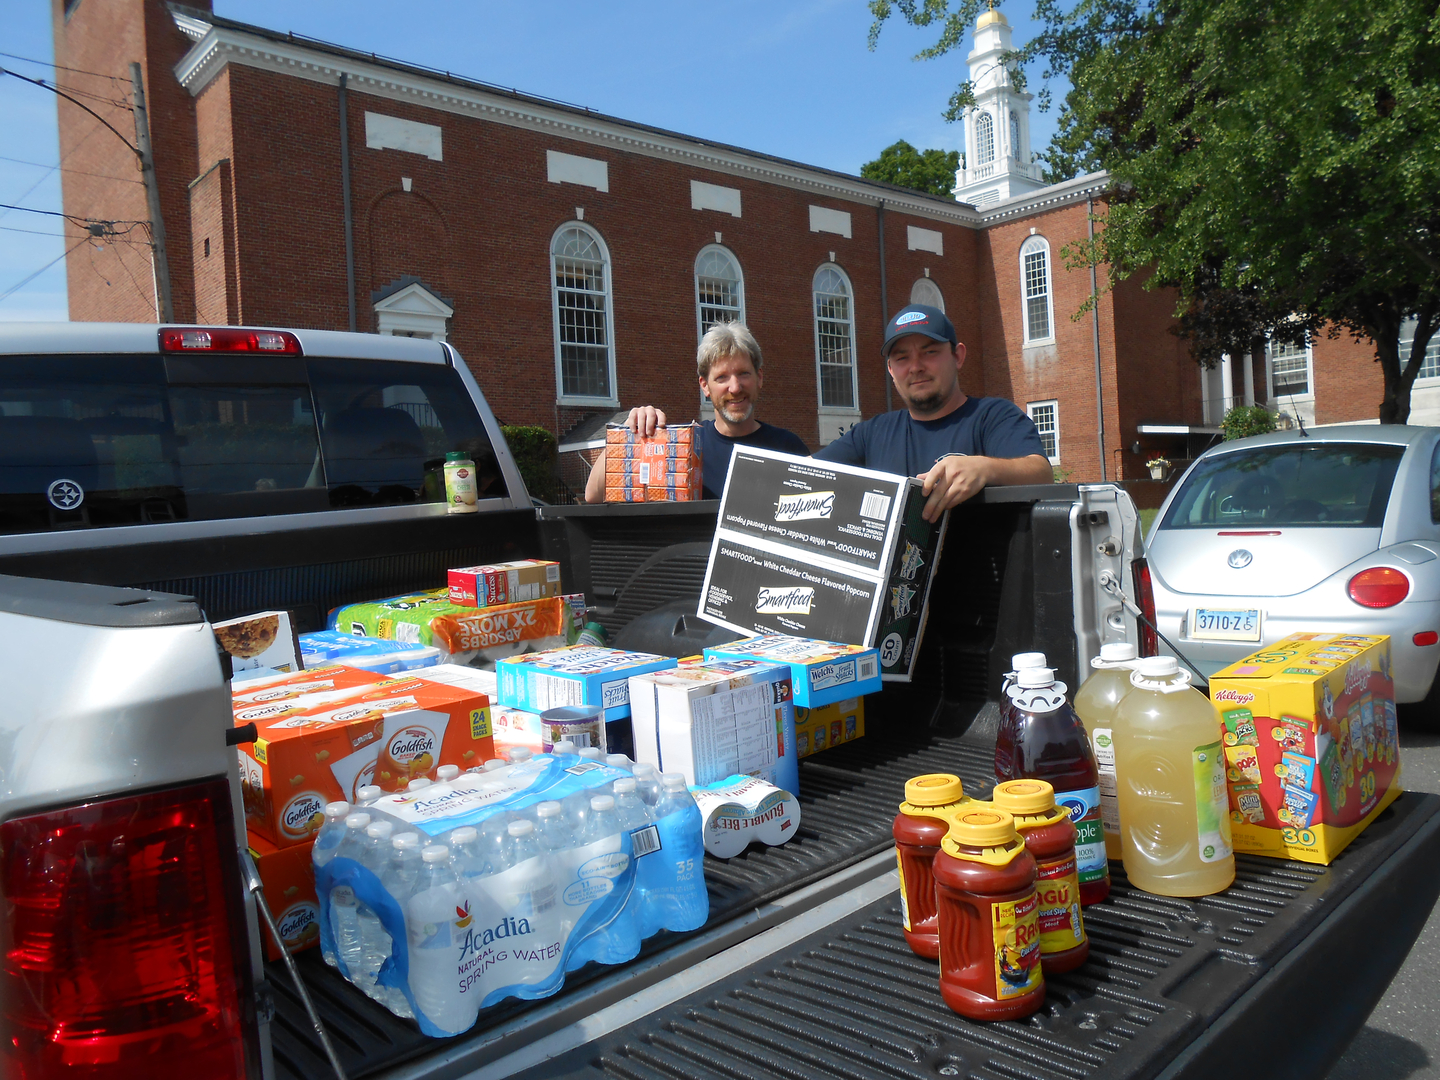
(1159, 968)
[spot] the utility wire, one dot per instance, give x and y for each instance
(26, 280)
(74, 217)
(78, 104)
(76, 172)
(62, 67)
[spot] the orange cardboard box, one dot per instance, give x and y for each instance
(290, 695)
(385, 733)
(664, 467)
(288, 876)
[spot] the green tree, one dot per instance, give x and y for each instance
(930, 171)
(1269, 158)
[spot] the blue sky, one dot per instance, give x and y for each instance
(791, 78)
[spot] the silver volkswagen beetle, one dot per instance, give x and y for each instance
(1336, 530)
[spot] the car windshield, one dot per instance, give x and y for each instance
(1319, 484)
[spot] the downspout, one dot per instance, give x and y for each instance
(1095, 340)
(884, 293)
(345, 195)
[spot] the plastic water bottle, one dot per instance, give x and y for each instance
(619, 761)
(495, 763)
(344, 916)
(1005, 733)
(647, 783)
(494, 842)
(555, 831)
(1095, 704)
(374, 942)
(592, 753)
(331, 833)
(563, 747)
(620, 941)
(466, 854)
(446, 773)
(368, 794)
(674, 877)
(418, 783)
(577, 812)
(431, 912)
(399, 880)
(534, 886)
(520, 754)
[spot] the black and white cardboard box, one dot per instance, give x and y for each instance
(815, 549)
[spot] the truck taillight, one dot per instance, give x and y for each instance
(124, 940)
(1145, 600)
(227, 339)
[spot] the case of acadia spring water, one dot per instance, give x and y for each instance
(1311, 743)
(818, 550)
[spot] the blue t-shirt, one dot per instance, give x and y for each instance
(895, 442)
(717, 449)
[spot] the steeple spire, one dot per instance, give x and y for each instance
(998, 164)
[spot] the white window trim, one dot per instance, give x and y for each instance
(979, 142)
(571, 399)
(931, 282)
(739, 281)
(1309, 395)
(835, 410)
(1037, 243)
(1425, 380)
(1054, 404)
(414, 311)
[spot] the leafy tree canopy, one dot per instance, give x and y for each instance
(1267, 157)
(930, 171)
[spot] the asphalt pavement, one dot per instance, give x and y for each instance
(1401, 1040)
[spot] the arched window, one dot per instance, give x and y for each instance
(719, 288)
(1035, 289)
(835, 338)
(925, 291)
(1014, 135)
(584, 351)
(984, 138)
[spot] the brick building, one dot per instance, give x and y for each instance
(574, 258)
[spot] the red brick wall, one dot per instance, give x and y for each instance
(1348, 382)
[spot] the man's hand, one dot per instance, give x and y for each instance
(954, 479)
(645, 419)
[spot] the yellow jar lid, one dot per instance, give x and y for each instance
(934, 789)
(1024, 796)
(983, 827)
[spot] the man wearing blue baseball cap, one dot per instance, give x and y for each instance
(955, 443)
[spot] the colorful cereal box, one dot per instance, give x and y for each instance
(829, 725)
(575, 675)
(822, 672)
(288, 878)
(504, 583)
(1312, 755)
(664, 467)
(462, 632)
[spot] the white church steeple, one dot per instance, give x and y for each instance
(998, 164)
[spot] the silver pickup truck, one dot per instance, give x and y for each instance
(156, 479)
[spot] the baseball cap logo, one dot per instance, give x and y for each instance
(910, 317)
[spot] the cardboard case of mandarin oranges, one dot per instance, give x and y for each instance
(1311, 743)
(325, 745)
(664, 467)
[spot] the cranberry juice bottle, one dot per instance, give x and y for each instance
(1005, 734)
(1051, 745)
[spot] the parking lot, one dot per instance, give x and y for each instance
(1402, 1037)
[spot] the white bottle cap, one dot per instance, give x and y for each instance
(357, 821)
(548, 809)
(564, 746)
(418, 783)
(368, 793)
(673, 781)
(643, 769)
(523, 827)
(1035, 677)
(436, 853)
(1155, 667)
(601, 803)
(447, 772)
(617, 761)
(594, 753)
(520, 754)
(494, 763)
(1022, 660)
(625, 785)
(1117, 652)
(405, 840)
(379, 830)
(463, 835)
(337, 809)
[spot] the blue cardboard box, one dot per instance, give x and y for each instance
(575, 675)
(821, 671)
(372, 654)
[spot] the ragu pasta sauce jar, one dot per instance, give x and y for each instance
(989, 933)
(918, 832)
(1049, 836)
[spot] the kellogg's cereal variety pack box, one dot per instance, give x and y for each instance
(1311, 743)
(664, 467)
(325, 733)
(829, 725)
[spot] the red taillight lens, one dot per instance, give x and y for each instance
(223, 339)
(124, 940)
(1426, 637)
(1145, 598)
(1380, 586)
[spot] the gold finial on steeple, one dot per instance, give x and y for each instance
(990, 16)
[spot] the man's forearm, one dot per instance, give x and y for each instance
(1032, 469)
(595, 485)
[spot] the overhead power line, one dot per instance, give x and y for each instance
(67, 169)
(26, 280)
(62, 67)
(78, 104)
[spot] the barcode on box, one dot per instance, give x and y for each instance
(867, 668)
(552, 572)
(875, 506)
(645, 841)
(645, 472)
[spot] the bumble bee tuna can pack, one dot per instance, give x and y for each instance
(444, 900)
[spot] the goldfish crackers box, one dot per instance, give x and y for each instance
(386, 733)
(664, 467)
(1311, 743)
(288, 879)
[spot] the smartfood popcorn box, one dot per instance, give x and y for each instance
(1311, 744)
(814, 549)
(504, 583)
(287, 876)
(821, 672)
(829, 725)
(575, 675)
(664, 467)
(386, 733)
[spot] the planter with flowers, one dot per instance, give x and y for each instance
(1159, 468)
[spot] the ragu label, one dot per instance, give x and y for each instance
(303, 814)
(1058, 892)
(1016, 929)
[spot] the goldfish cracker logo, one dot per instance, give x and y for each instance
(411, 752)
(270, 711)
(302, 815)
(1017, 947)
(299, 924)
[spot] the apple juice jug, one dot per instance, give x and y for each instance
(1095, 704)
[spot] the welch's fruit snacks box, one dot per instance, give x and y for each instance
(575, 675)
(324, 747)
(821, 672)
(814, 549)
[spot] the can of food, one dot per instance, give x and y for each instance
(461, 491)
(583, 725)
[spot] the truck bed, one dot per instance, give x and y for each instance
(1177, 988)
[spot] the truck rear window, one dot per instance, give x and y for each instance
(93, 441)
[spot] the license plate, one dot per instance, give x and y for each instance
(1225, 624)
